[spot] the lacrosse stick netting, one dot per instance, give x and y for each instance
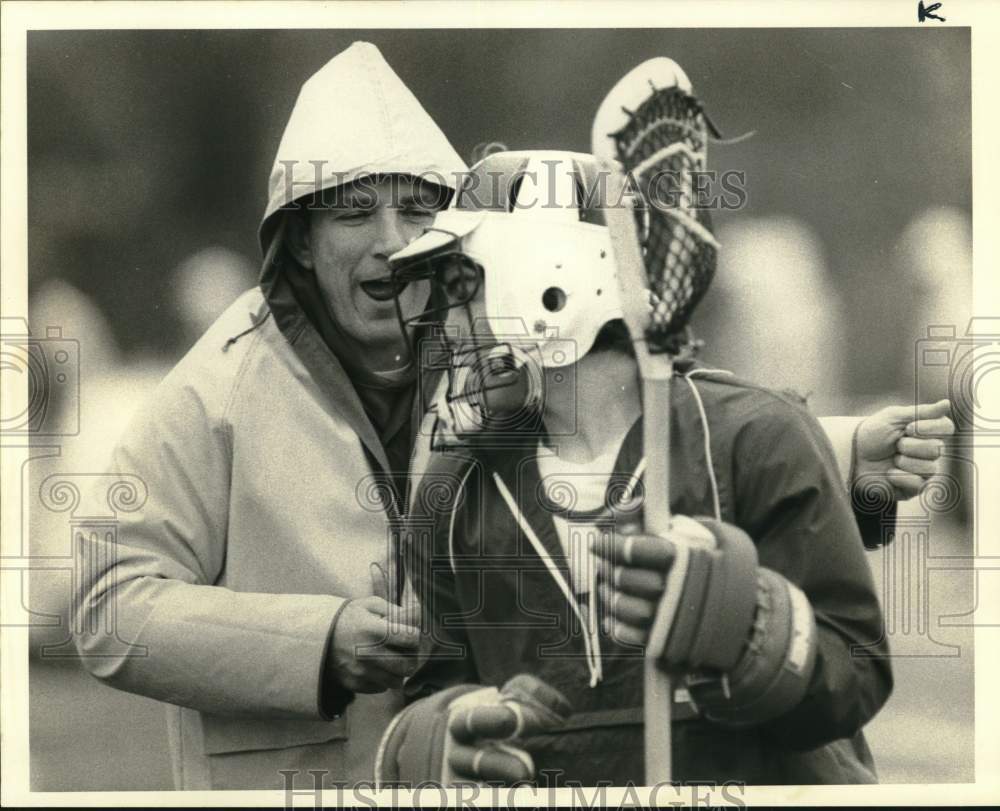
(662, 147)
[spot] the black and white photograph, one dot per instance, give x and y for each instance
(560, 404)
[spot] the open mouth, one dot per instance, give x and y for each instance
(382, 289)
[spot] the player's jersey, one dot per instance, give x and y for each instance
(491, 571)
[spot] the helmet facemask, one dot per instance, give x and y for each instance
(493, 384)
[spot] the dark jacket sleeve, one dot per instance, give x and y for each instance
(875, 511)
(446, 655)
(791, 501)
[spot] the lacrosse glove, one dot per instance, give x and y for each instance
(468, 733)
(743, 637)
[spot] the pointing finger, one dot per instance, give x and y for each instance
(898, 415)
(920, 448)
(930, 411)
(921, 467)
(940, 426)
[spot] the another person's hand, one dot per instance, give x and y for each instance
(470, 733)
(902, 445)
(632, 575)
(485, 731)
(742, 636)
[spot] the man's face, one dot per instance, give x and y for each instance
(348, 246)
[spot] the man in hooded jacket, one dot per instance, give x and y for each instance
(252, 589)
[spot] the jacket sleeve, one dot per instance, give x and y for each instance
(873, 510)
(151, 619)
(446, 656)
(791, 500)
(840, 432)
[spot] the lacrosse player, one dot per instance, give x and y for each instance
(539, 592)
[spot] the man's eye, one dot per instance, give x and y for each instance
(354, 214)
(418, 213)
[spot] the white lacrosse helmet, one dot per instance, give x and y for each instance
(530, 224)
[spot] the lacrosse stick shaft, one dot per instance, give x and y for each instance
(657, 686)
(655, 371)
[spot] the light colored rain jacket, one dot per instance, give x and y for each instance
(251, 510)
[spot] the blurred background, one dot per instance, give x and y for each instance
(148, 155)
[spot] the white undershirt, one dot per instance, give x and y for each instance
(588, 482)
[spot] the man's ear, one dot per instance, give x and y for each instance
(298, 238)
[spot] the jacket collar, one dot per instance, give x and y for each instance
(322, 364)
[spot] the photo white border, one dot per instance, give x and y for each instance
(983, 17)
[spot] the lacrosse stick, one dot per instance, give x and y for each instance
(650, 134)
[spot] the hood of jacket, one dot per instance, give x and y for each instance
(353, 118)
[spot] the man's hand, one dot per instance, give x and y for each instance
(375, 642)
(902, 445)
(374, 646)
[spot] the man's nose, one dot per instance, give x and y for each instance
(392, 235)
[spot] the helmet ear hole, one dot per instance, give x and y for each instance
(554, 299)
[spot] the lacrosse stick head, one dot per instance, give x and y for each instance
(654, 127)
